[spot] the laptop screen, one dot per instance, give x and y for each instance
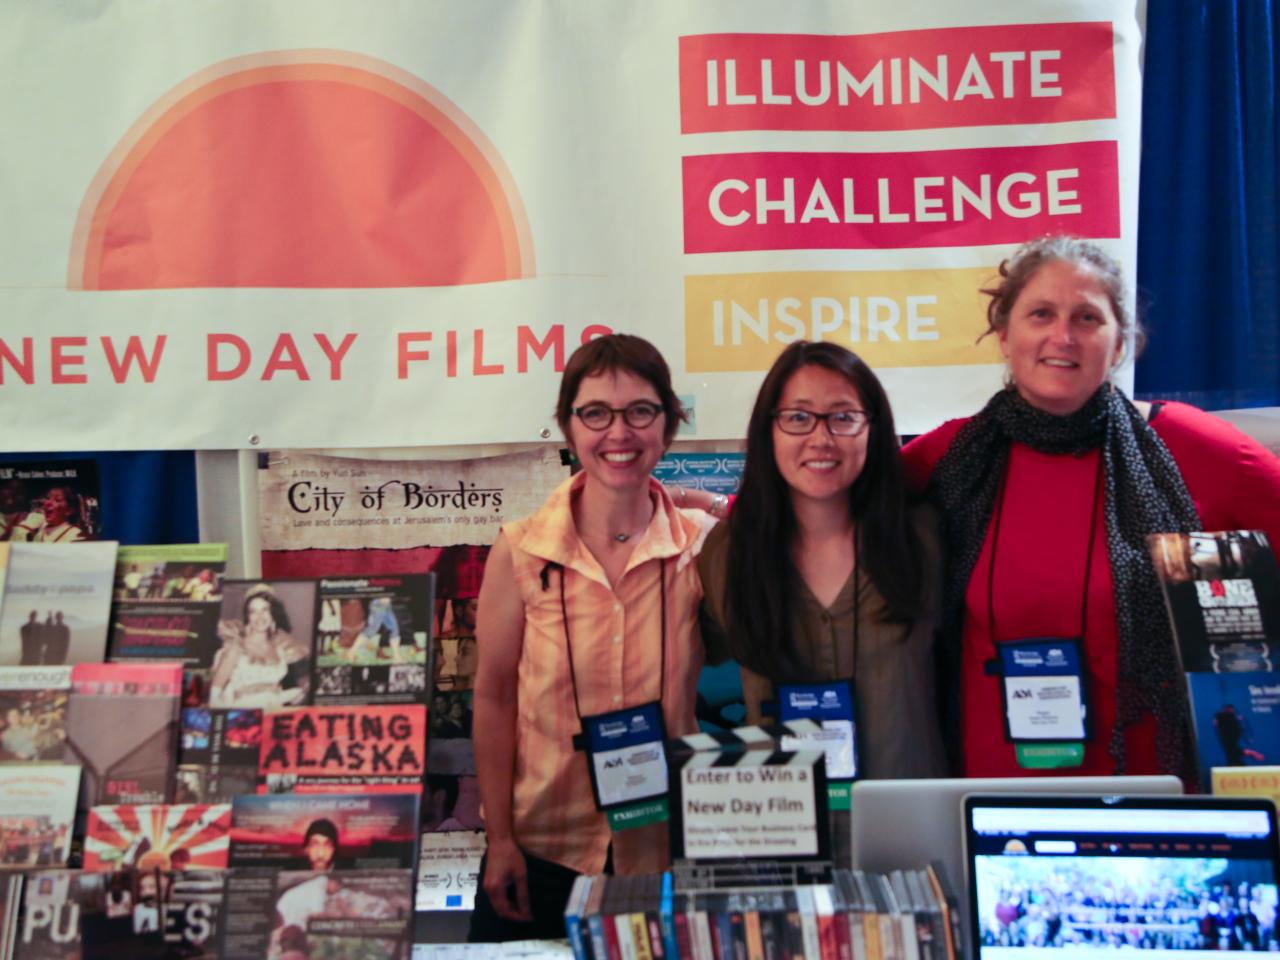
(1083, 875)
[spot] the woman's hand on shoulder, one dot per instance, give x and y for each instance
(716, 504)
(922, 454)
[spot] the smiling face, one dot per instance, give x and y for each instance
(819, 466)
(1062, 338)
(56, 507)
(259, 613)
(621, 456)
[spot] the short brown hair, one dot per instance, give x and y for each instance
(1017, 271)
(620, 351)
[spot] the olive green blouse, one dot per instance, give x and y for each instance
(898, 730)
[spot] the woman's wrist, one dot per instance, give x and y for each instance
(499, 839)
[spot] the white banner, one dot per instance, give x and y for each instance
(323, 515)
(312, 223)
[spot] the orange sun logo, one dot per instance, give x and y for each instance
(302, 168)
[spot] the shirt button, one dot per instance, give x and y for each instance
(617, 608)
(618, 698)
(618, 638)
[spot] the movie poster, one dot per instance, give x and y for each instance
(37, 814)
(449, 871)
(325, 832)
(712, 472)
(217, 754)
(320, 515)
(459, 573)
(1223, 595)
(166, 603)
(10, 912)
(265, 631)
(1237, 720)
(451, 802)
(322, 916)
(50, 501)
(143, 914)
(57, 603)
(53, 905)
(122, 726)
(377, 749)
(192, 914)
(176, 836)
(33, 713)
(373, 638)
(138, 914)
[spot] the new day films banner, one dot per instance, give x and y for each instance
(326, 224)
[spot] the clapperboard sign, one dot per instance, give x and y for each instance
(738, 796)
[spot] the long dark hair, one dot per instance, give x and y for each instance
(279, 613)
(762, 579)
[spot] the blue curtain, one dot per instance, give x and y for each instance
(1207, 257)
(146, 497)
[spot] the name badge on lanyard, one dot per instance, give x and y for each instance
(831, 706)
(626, 749)
(1045, 703)
(626, 756)
(1042, 679)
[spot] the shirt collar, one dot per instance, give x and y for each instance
(554, 537)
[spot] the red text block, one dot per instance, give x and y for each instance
(939, 198)
(906, 80)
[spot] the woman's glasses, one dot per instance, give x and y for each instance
(599, 416)
(840, 423)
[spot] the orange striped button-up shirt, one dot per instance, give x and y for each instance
(616, 640)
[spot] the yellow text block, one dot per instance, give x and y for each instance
(890, 318)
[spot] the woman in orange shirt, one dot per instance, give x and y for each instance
(588, 607)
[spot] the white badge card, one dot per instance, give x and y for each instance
(625, 751)
(1044, 694)
(831, 706)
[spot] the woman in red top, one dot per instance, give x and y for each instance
(1048, 495)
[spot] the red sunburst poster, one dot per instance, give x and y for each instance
(168, 837)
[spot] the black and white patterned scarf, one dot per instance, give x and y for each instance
(1144, 494)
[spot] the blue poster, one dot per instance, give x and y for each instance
(1237, 719)
(713, 472)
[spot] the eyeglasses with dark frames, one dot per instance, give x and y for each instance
(599, 415)
(840, 423)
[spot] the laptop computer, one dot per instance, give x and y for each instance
(904, 824)
(1162, 875)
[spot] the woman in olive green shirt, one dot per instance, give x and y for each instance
(824, 571)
